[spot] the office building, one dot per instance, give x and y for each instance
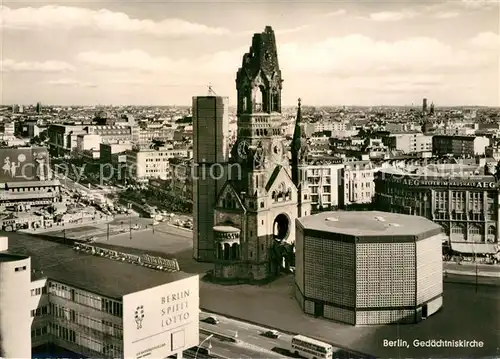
(465, 203)
(209, 168)
(63, 139)
(146, 163)
(369, 267)
(95, 302)
(459, 146)
(181, 179)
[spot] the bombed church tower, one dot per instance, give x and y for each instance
(255, 213)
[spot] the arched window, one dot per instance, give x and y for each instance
(257, 98)
(492, 234)
(274, 101)
(227, 251)
(458, 232)
(244, 104)
(220, 251)
(228, 201)
(475, 234)
(235, 251)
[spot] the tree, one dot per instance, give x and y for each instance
(35, 140)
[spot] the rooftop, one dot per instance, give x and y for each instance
(82, 270)
(33, 183)
(226, 229)
(9, 257)
(368, 223)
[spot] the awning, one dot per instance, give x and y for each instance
(477, 248)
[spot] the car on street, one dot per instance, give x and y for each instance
(273, 334)
(212, 320)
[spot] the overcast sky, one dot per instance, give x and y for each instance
(330, 52)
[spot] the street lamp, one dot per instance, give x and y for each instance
(203, 341)
(130, 219)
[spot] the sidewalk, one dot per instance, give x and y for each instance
(492, 267)
(179, 227)
(65, 226)
(469, 269)
(472, 273)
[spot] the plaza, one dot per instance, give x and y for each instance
(478, 322)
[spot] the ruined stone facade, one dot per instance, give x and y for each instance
(255, 214)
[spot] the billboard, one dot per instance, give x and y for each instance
(23, 164)
(161, 321)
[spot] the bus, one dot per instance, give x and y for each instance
(311, 348)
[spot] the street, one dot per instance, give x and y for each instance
(231, 350)
(246, 332)
(487, 269)
(273, 305)
(69, 183)
(253, 335)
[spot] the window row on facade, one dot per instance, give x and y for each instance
(86, 341)
(86, 298)
(84, 320)
(227, 251)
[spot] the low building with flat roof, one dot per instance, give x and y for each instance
(368, 267)
(93, 301)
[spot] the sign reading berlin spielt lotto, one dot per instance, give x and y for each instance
(162, 320)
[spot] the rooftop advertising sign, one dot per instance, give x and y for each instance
(446, 183)
(161, 321)
(23, 164)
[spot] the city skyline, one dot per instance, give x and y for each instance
(338, 53)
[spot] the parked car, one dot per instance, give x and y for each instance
(274, 334)
(212, 320)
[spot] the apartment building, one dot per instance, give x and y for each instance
(324, 176)
(64, 138)
(87, 142)
(334, 126)
(182, 177)
(163, 133)
(110, 134)
(409, 142)
(493, 151)
(459, 146)
(358, 182)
